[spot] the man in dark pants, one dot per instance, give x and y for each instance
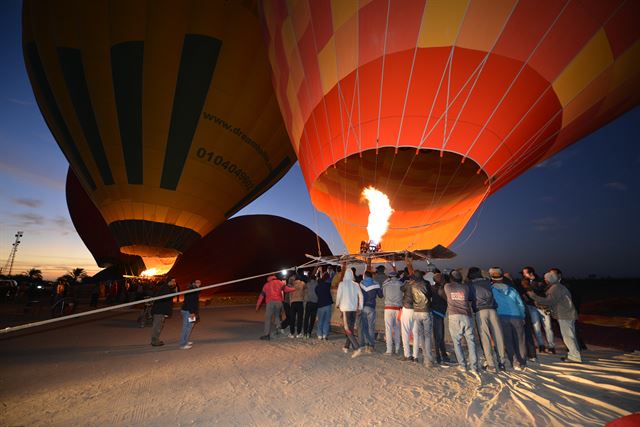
(162, 309)
(530, 344)
(439, 309)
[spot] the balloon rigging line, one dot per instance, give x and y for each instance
(513, 81)
(406, 94)
(324, 102)
(444, 71)
(309, 160)
(561, 109)
(384, 57)
(461, 244)
(146, 300)
(477, 72)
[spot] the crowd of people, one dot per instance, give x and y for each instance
(505, 323)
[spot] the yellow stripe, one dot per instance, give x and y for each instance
(592, 60)
(327, 65)
(440, 22)
(342, 11)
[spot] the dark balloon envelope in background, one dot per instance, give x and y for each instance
(242, 246)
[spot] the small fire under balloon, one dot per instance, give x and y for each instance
(379, 213)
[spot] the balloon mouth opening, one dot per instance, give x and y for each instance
(426, 188)
(157, 260)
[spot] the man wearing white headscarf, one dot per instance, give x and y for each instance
(349, 300)
(558, 298)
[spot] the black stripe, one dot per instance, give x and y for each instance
(73, 71)
(198, 61)
(264, 185)
(126, 68)
(149, 233)
(54, 119)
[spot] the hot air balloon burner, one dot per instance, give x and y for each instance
(369, 247)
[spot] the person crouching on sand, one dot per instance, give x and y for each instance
(190, 314)
(349, 300)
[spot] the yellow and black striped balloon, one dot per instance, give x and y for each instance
(164, 109)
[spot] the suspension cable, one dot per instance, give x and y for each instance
(128, 304)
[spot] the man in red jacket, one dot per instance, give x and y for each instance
(272, 293)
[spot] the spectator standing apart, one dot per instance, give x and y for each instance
(542, 316)
(297, 306)
(489, 329)
(558, 299)
(190, 311)
(406, 317)
(349, 301)
(439, 311)
(370, 291)
(161, 309)
(460, 320)
(511, 311)
(392, 306)
(325, 301)
(310, 305)
(422, 319)
(272, 294)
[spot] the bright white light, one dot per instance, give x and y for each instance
(150, 272)
(283, 272)
(379, 213)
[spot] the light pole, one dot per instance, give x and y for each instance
(14, 249)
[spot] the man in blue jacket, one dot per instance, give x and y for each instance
(511, 313)
(370, 291)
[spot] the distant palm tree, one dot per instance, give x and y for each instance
(72, 276)
(77, 274)
(34, 274)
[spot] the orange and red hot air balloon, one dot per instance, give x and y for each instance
(438, 104)
(165, 111)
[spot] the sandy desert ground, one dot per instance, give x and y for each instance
(103, 372)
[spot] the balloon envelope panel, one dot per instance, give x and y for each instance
(165, 111)
(492, 86)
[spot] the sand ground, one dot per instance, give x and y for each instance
(103, 372)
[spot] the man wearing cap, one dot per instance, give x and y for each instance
(460, 320)
(392, 306)
(511, 312)
(488, 323)
(558, 298)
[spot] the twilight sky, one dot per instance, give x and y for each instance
(578, 211)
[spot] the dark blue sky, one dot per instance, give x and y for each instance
(578, 211)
